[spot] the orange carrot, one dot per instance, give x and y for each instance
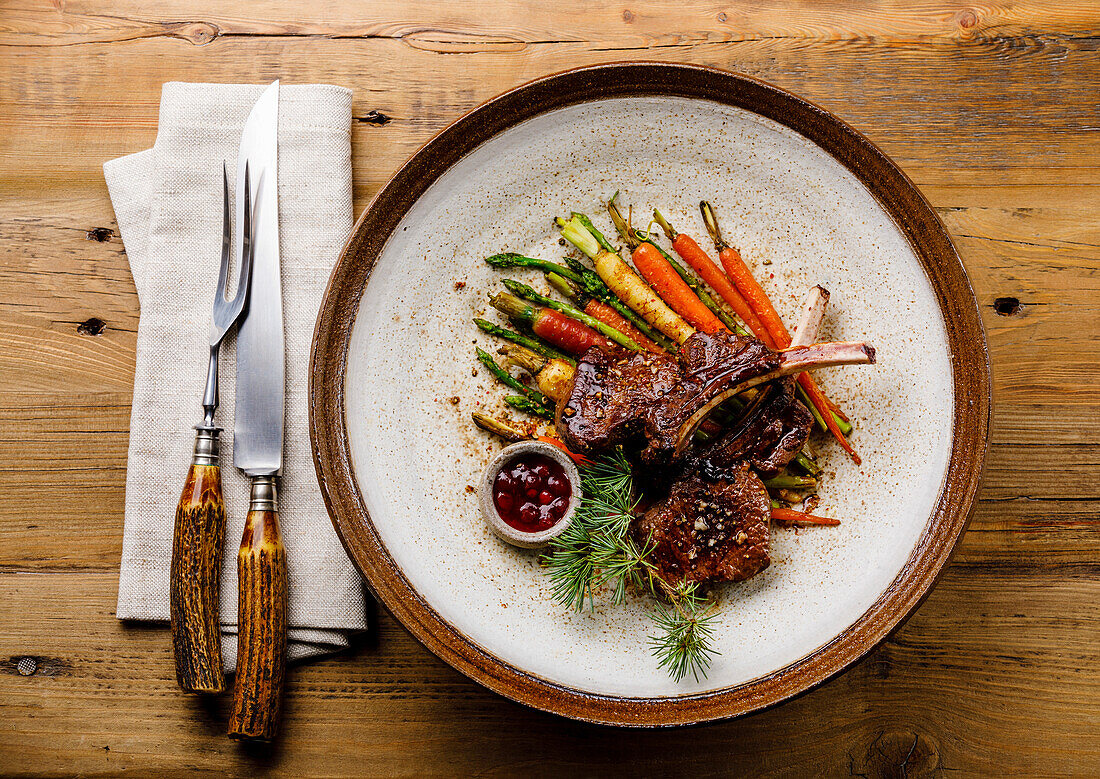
(599, 310)
(790, 515)
(674, 290)
(817, 397)
(579, 459)
(747, 285)
(701, 263)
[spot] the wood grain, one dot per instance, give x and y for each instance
(991, 109)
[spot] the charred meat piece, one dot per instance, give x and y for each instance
(617, 398)
(707, 531)
(771, 432)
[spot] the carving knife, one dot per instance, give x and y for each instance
(258, 442)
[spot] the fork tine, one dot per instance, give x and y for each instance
(251, 210)
(247, 234)
(227, 236)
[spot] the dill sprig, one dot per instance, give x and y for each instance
(597, 550)
(687, 626)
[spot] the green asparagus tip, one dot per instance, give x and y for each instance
(504, 260)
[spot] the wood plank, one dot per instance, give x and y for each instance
(990, 108)
(392, 708)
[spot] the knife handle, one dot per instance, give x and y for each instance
(261, 607)
(196, 571)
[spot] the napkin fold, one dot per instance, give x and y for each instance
(168, 204)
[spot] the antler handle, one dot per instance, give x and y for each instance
(196, 571)
(261, 607)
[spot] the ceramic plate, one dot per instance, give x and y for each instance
(807, 200)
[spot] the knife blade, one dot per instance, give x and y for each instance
(258, 444)
(258, 422)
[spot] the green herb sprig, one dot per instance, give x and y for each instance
(597, 550)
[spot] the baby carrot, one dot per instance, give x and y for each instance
(701, 263)
(790, 515)
(656, 270)
(599, 310)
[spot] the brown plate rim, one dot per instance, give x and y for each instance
(894, 191)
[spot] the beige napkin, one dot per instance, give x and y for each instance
(168, 203)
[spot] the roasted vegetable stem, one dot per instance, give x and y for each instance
(527, 405)
(505, 430)
(592, 285)
(788, 482)
(512, 260)
(563, 285)
(508, 380)
(527, 293)
(533, 344)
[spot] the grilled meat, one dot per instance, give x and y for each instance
(618, 398)
(706, 531)
(772, 431)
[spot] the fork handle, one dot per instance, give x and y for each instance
(261, 628)
(196, 571)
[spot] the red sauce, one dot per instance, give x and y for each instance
(532, 493)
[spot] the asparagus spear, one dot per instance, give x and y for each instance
(787, 482)
(529, 406)
(507, 430)
(607, 331)
(535, 345)
(509, 380)
(845, 426)
(513, 260)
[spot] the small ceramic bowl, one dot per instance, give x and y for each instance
(489, 509)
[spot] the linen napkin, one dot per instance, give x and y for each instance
(168, 204)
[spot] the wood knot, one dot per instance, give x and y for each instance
(93, 326)
(1007, 306)
(198, 33)
(99, 234)
(376, 118)
(968, 20)
(628, 17)
(901, 754)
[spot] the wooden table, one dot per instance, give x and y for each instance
(991, 109)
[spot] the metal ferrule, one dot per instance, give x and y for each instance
(263, 497)
(207, 445)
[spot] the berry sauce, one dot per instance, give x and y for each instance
(532, 493)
